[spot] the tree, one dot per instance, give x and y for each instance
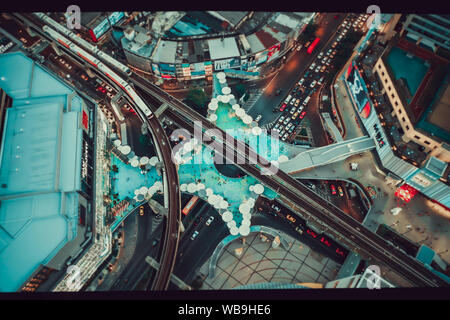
(197, 99)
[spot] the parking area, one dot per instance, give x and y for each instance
(297, 103)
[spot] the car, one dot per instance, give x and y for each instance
(290, 125)
(291, 218)
(339, 38)
(320, 80)
(361, 24)
(210, 219)
(311, 67)
(297, 102)
(313, 84)
(283, 107)
(333, 189)
(141, 210)
(288, 98)
(301, 81)
(194, 235)
(286, 121)
(295, 89)
(276, 126)
(320, 55)
(281, 119)
(341, 193)
(258, 118)
(302, 115)
(292, 110)
(305, 102)
(334, 44)
(285, 136)
(299, 229)
(155, 242)
(323, 68)
(110, 95)
(299, 47)
(295, 116)
(307, 44)
(291, 129)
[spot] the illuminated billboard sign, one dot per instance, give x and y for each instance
(357, 88)
(106, 24)
(227, 63)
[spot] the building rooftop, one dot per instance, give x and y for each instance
(232, 17)
(165, 51)
(40, 169)
(223, 48)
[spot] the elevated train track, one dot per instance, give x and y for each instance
(293, 191)
(161, 142)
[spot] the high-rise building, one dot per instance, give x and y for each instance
(430, 31)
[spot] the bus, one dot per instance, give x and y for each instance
(313, 45)
(190, 205)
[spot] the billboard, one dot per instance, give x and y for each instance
(261, 57)
(357, 88)
(197, 69)
(106, 24)
(167, 70)
(227, 63)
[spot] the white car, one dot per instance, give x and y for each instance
(317, 69)
(312, 66)
(258, 118)
(210, 219)
(194, 235)
(301, 81)
(285, 136)
(313, 84)
(320, 55)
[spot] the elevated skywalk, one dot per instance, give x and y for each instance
(327, 154)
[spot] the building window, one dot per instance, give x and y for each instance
(407, 127)
(417, 137)
(389, 88)
(382, 73)
(392, 96)
(396, 102)
(427, 142)
(379, 67)
(399, 111)
(403, 119)
(385, 80)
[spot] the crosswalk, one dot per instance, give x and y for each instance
(254, 96)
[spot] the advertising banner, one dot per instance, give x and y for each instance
(227, 63)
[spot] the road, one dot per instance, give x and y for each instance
(313, 205)
(296, 65)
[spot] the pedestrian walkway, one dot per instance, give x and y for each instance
(256, 261)
(327, 154)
